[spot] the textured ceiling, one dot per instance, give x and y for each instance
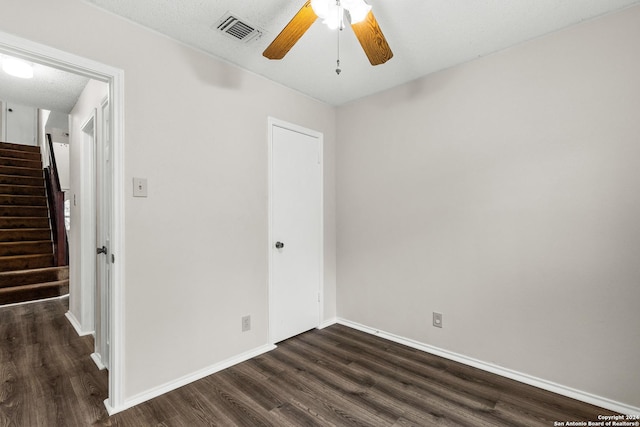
(425, 36)
(49, 89)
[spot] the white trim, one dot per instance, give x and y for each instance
(187, 379)
(88, 221)
(271, 123)
(76, 325)
(42, 54)
(583, 396)
(13, 304)
(117, 294)
(110, 409)
(328, 322)
(98, 361)
(269, 230)
(100, 345)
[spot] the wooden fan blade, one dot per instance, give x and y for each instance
(372, 40)
(290, 34)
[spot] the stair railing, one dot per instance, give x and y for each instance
(55, 196)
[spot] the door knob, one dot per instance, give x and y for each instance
(279, 245)
(102, 250)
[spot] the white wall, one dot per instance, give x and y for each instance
(504, 194)
(499, 192)
(82, 251)
(43, 116)
(196, 249)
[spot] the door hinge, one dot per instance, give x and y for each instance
(113, 258)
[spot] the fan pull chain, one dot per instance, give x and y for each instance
(338, 70)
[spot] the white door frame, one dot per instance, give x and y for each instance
(273, 122)
(103, 264)
(42, 54)
(86, 254)
(91, 280)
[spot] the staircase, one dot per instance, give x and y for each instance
(27, 268)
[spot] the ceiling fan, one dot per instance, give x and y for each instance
(332, 12)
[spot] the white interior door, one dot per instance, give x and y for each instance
(21, 124)
(295, 230)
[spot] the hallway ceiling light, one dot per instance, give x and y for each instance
(17, 67)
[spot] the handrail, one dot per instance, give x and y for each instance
(55, 196)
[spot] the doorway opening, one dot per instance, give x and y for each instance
(41, 54)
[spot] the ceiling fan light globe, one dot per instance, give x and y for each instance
(332, 23)
(333, 19)
(358, 10)
(320, 8)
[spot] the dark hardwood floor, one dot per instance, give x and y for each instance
(331, 377)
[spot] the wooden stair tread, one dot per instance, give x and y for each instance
(21, 222)
(18, 162)
(10, 279)
(35, 285)
(19, 154)
(44, 247)
(23, 229)
(22, 190)
(19, 206)
(25, 262)
(8, 258)
(19, 147)
(31, 270)
(20, 171)
(22, 200)
(27, 242)
(34, 291)
(24, 234)
(27, 211)
(9, 179)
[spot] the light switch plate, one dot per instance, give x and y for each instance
(139, 187)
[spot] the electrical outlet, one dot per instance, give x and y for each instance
(437, 320)
(246, 323)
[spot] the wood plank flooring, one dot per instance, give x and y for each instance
(333, 377)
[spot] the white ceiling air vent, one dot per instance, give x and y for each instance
(237, 28)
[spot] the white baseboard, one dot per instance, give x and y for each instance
(110, 409)
(328, 322)
(583, 396)
(172, 385)
(97, 359)
(76, 325)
